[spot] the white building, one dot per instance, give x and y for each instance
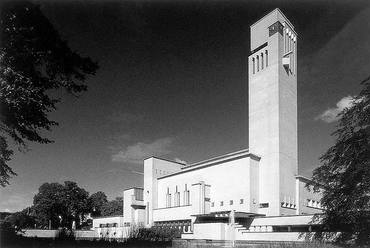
(252, 194)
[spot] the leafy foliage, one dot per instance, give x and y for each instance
(114, 207)
(96, 203)
(345, 173)
(34, 61)
(153, 234)
(61, 204)
(22, 219)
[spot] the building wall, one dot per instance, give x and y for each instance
(134, 208)
(154, 168)
(309, 201)
(213, 231)
(231, 180)
(175, 213)
(108, 220)
(40, 233)
(108, 232)
(288, 134)
(272, 115)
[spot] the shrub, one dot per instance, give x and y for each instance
(153, 234)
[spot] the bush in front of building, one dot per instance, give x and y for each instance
(153, 234)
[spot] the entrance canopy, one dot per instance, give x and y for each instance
(223, 216)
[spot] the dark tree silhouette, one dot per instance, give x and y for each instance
(345, 174)
(114, 207)
(96, 202)
(34, 61)
(61, 204)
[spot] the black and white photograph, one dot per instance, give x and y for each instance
(184, 123)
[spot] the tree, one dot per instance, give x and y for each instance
(22, 219)
(96, 202)
(48, 204)
(34, 62)
(60, 204)
(345, 174)
(76, 201)
(114, 207)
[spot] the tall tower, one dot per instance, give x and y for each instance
(273, 111)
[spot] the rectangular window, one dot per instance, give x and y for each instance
(241, 201)
(147, 213)
(186, 195)
(212, 204)
(258, 63)
(286, 41)
(264, 205)
(262, 61)
(177, 198)
(254, 65)
(231, 202)
(267, 60)
(168, 198)
(221, 203)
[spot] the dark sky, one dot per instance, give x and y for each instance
(173, 83)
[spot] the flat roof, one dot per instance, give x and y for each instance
(216, 158)
(308, 180)
(106, 217)
(271, 12)
(133, 188)
(165, 159)
(226, 214)
(214, 161)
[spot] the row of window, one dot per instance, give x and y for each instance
(288, 202)
(289, 41)
(161, 172)
(231, 202)
(139, 194)
(182, 225)
(177, 197)
(313, 204)
(288, 205)
(260, 61)
(108, 225)
(290, 47)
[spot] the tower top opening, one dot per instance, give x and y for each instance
(260, 29)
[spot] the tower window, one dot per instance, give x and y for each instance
(186, 195)
(258, 63)
(267, 60)
(168, 198)
(254, 65)
(261, 61)
(177, 197)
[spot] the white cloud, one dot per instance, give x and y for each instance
(137, 152)
(331, 115)
(180, 161)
